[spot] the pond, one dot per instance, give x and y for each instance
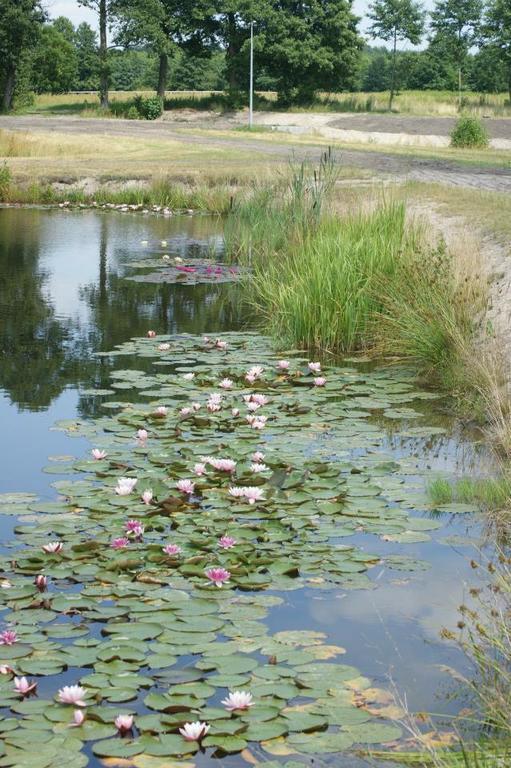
(341, 575)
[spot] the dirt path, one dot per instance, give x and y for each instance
(498, 128)
(385, 165)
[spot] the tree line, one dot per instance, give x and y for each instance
(300, 48)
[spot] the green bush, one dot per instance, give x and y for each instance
(5, 182)
(469, 133)
(132, 113)
(150, 108)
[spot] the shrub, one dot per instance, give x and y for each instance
(132, 113)
(150, 108)
(5, 182)
(468, 133)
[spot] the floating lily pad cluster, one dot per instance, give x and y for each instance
(191, 272)
(225, 478)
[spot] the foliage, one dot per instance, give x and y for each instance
(469, 132)
(55, 63)
(20, 25)
(456, 24)
(496, 32)
(489, 493)
(150, 108)
(5, 182)
(85, 40)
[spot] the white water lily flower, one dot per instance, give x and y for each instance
(238, 700)
(194, 731)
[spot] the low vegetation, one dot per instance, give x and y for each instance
(489, 493)
(469, 133)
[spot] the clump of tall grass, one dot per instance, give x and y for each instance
(489, 493)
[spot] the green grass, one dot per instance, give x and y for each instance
(490, 494)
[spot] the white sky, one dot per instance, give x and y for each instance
(78, 13)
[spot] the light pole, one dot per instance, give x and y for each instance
(251, 84)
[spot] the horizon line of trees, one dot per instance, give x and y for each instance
(300, 48)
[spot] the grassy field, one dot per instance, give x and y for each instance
(432, 103)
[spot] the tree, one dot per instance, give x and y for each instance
(20, 25)
(309, 47)
(497, 33)
(393, 21)
(457, 22)
(103, 8)
(55, 63)
(86, 43)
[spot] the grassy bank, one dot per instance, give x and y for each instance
(440, 103)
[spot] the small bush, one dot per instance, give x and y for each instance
(469, 133)
(132, 113)
(5, 182)
(150, 108)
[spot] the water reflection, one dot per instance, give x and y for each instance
(63, 295)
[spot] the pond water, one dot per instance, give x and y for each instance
(349, 464)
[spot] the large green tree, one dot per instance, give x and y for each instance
(20, 26)
(55, 62)
(104, 9)
(395, 21)
(457, 22)
(86, 43)
(496, 32)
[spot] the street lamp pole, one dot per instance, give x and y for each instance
(251, 85)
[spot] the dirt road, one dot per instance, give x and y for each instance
(382, 164)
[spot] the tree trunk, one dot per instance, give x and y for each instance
(459, 87)
(10, 85)
(162, 75)
(393, 76)
(231, 53)
(103, 55)
(509, 83)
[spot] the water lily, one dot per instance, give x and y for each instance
(253, 406)
(147, 496)
(235, 412)
(255, 372)
(219, 344)
(188, 376)
(218, 576)
(25, 687)
(5, 669)
(151, 334)
(237, 492)
(185, 486)
(41, 582)
(223, 465)
(186, 411)
(226, 383)
(120, 543)
(125, 486)
(226, 542)
(256, 467)
(53, 547)
(259, 398)
(78, 717)
(283, 365)
(196, 406)
(199, 469)
(319, 381)
(250, 378)
(135, 527)
(164, 347)
(257, 456)
(98, 454)
(142, 435)
(194, 731)
(259, 422)
(238, 700)
(314, 367)
(212, 406)
(72, 694)
(172, 550)
(123, 723)
(253, 494)
(8, 637)
(161, 410)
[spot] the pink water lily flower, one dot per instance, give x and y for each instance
(196, 406)
(257, 456)
(253, 494)
(151, 334)
(142, 435)
(72, 694)
(132, 525)
(218, 576)
(314, 367)
(161, 410)
(283, 365)
(97, 454)
(252, 406)
(188, 376)
(147, 496)
(186, 411)
(41, 582)
(213, 407)
(255, 372)
(8, 637)
(125, 486)
(78, 718)
(25, 687)
(250, 378)
(319, 381)
(172, 550)
(226, 383)
(259, 422)
(235, 412)
(237, 492)
(185, 486)
(223, 465)
(226, 542)
(124, 723)
(53, 548)
(259, 398)
(6, 670)
(238, 700)
(194, 731)
(120, 543)
(199, 469)
(219, 344)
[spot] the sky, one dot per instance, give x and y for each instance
(77, 13)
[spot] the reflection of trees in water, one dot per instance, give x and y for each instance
(43, 353)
